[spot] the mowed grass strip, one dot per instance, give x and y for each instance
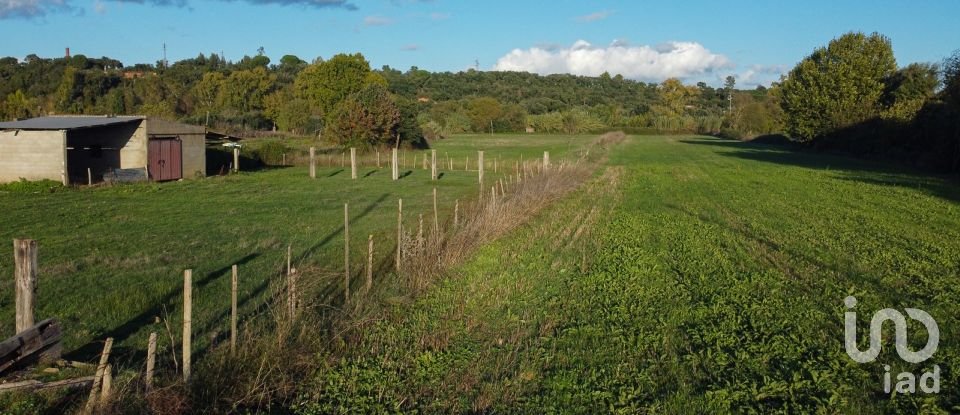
(112, 258)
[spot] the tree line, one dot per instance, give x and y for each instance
(346, 101)
(849, 95)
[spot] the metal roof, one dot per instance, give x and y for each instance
(66, 122)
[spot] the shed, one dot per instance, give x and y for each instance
(63, 148)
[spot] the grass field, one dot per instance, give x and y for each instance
(689, 275)
(693, 275)
(112, 258)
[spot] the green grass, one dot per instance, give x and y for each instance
(695, 275)
(112, 258)
(690, 275)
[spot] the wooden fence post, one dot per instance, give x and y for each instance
(98, 376)
(353, 163)
(436, 217)
(546, 159)
(313, 163)
(25, 276)
(433, 164)
(396, 168)
(343, 158)
(107, 384)
(495, 163)
(420, 234)
(187, 322)
(369, 264)
(346, 253)
(424, 161)
(284, 160)
(234, 280)
(480, 166)
(399, 232)
(236, 159)
(89, 177)
(456, 213)
(151, 360)
(378, 158)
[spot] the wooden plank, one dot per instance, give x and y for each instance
(35, 385)
(39, 343)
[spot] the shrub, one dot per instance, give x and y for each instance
(27, 186)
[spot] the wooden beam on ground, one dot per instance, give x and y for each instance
(39, 343)
(35, 385)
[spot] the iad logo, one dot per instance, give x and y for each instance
(906, 381)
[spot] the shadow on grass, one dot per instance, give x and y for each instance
(370, 173)
(406, 173)
(171, 302)
(847, 168)
(329, 237)
(772, 252)
(335, 173)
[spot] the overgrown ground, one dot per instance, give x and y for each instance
(691, 275)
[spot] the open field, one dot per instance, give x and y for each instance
(688, 275)
(693, 275)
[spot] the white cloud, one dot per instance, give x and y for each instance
(684, 60)
(99, 7)
(30, 8)
(377, 21)
(592, 17)
(410, 48)
(760, 75)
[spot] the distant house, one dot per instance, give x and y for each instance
(63, 148)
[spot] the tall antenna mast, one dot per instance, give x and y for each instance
(165, 55)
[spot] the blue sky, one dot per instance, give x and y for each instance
(693, 40)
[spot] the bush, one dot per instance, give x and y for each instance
(270, 153)
(26, 186)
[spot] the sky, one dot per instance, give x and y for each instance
(694, 40)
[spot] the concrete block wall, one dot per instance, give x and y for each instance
(32, 155)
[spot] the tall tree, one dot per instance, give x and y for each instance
(368, 117)
(327, 83)
(837, 86)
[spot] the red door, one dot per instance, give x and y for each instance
(165, 155)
